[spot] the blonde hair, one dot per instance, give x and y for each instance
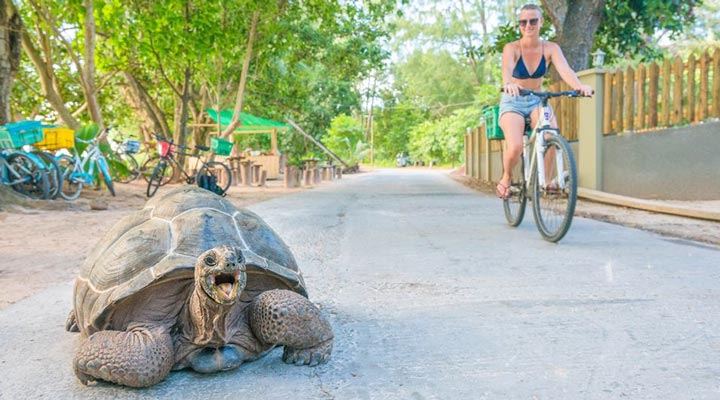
(532, 7)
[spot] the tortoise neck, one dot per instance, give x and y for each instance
(209, 319)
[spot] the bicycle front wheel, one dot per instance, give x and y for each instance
(104, 171)
(72, 185)
(515, 204)
(148, 169)
(156, 178)
(221, 175)
(554, 203)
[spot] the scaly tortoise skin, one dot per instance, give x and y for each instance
(190, 281)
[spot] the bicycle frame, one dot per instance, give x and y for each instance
(86, 162)
(537, 142)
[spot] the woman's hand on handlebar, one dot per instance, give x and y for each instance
(512, 89)
(585, 90)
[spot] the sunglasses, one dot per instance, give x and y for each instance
(533, 21)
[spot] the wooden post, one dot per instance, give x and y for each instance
(666, 78)
(273, 141)
(290, 176)
(629, 99)
(716, 84)
(619, 101)
(678, 69)
(607, 103)
(640, 79)
(704, 86)
(690, 89)
(590, 135)
(246, 172)
(653, 94)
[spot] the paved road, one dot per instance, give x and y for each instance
(432, 296)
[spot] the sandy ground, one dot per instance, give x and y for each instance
(43, 247)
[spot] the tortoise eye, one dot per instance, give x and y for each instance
(210, 260)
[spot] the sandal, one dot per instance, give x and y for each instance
(502, 191)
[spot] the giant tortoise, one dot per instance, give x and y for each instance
(190, 281)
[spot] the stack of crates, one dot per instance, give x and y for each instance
(18, 134)
(56, 139)
(221, 147)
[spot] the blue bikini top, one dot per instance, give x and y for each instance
(521, 72)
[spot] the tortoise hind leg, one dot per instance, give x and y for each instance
(282, 317)
(139, 357)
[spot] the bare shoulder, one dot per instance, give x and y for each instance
(511, 48)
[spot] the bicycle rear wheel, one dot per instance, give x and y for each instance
(28, 177)
(72, 185)
(515, 204)
(554, 204)
(213, 169)
(157, 177)
(55, 178)
(124, 168)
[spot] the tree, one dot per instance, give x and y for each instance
(575, 23)
(10, 51)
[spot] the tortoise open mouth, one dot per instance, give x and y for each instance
(224, 286)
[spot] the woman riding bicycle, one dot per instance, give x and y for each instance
(517, 59)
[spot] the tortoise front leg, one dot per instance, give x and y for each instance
(282, 317)
(138, 357)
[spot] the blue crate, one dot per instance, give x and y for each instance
(18, 134)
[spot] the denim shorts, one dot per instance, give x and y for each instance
(523, 105)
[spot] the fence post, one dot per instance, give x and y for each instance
(590, 135)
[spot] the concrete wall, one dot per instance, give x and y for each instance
(671, 164)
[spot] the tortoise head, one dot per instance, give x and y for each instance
(220, 272)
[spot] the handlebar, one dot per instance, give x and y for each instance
(178, 146)
(547, 95)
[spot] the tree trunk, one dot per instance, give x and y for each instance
(10, 51)
(145, 107)
(243, 78)
(576, 22)
(91, 96)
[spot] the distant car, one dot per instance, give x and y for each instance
(402, 160)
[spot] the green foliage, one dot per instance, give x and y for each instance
(345, 138)
(629, 27)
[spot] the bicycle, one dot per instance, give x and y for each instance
(551, 186)
(125, 167)
(79, 169)
(168, 166)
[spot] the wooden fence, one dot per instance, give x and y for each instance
(657, 95)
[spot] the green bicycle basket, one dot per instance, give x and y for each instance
(221, 147)
(492, 125)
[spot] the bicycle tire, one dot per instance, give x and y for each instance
(55, 178)
(156, 178)
(514, 205)
(71, 188)
(132, 168)
(553, 207)
(209, 169)
(34, 183)
(104, 171)
(148, 169)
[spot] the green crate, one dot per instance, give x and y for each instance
(18, 134)
(492, 123)
(221, 147)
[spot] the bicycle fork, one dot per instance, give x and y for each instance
(539, 154)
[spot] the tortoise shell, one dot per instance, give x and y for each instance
(160, 244)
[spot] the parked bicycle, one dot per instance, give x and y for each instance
(24, 172)
(546, 174)
(124, 166)
(168, 167)
(84, 168)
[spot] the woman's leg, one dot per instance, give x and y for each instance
(513, 125)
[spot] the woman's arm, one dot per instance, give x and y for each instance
(566, 73)
(508, 63)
